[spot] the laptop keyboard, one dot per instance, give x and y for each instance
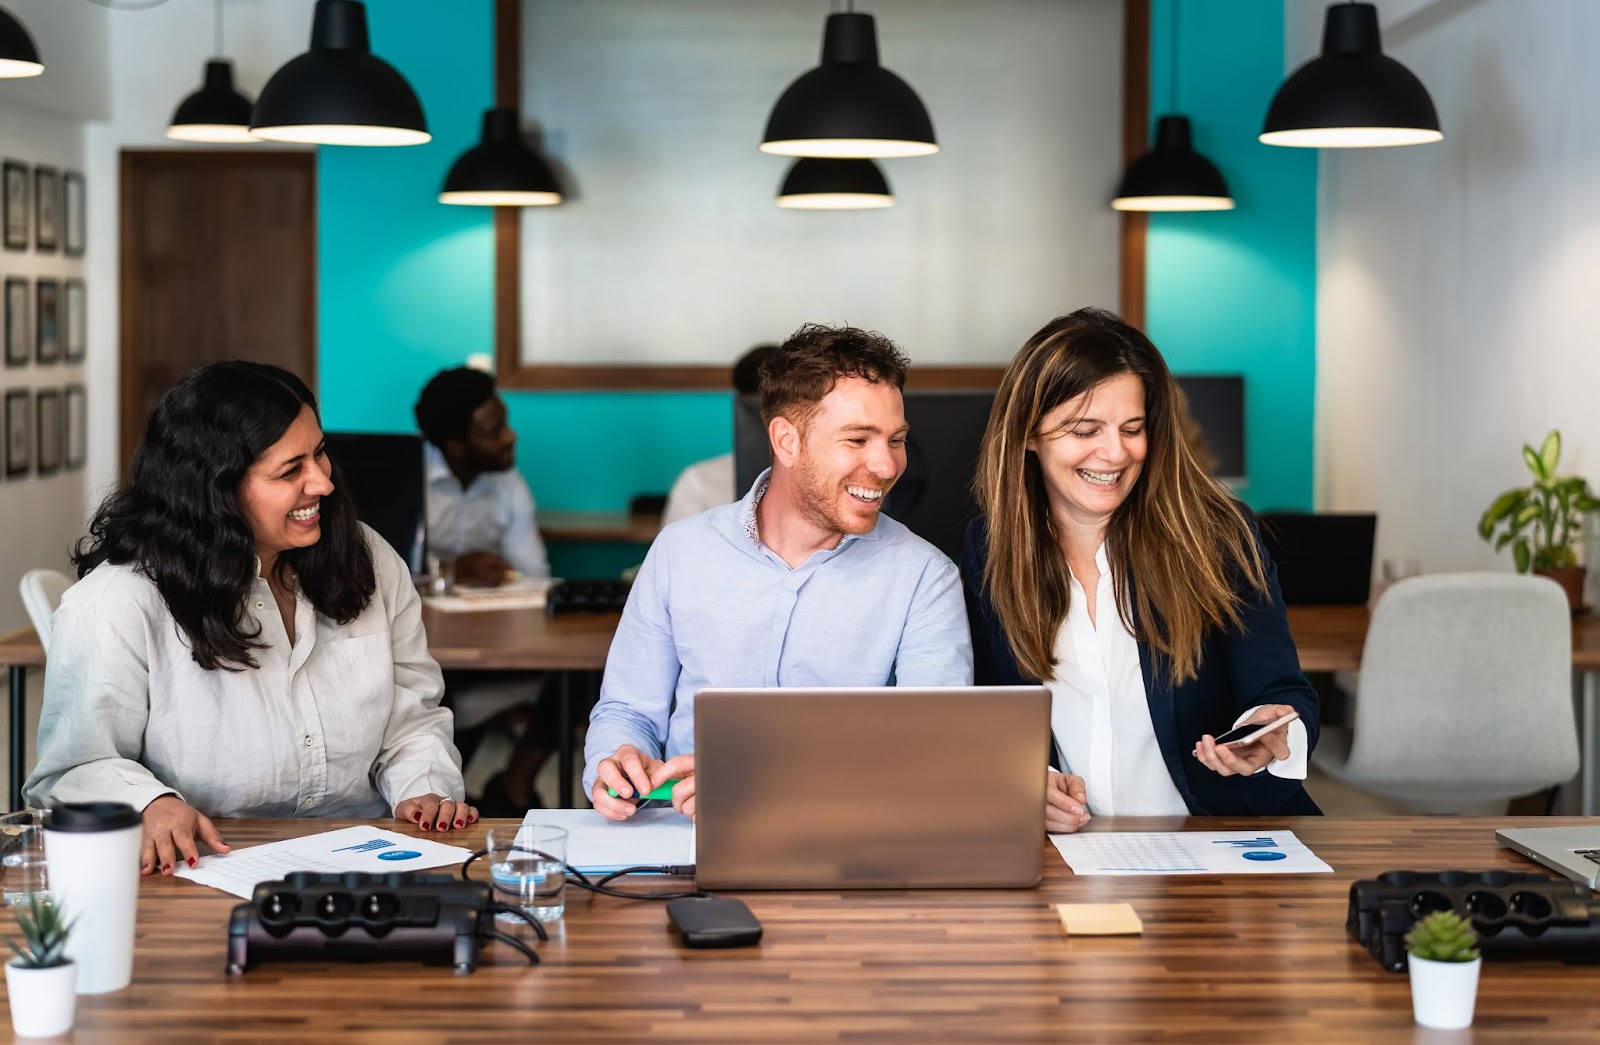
(1592, 855)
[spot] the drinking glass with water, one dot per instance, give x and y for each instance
(527, 867)
(22, 866)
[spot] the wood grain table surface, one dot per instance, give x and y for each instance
(1242, 958)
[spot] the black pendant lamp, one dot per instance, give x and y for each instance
(1352, 95)
(849, 107)
(501, 170)
(217, 112)
(1172, 176)
(823, 184)
(339, 92)
(18, 55)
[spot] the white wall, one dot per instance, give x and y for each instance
(655, 111)
(156, 59)
(1456, 281)
(42, 122)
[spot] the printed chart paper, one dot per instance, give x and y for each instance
(347, 849)
(1188, 852)
(651, 837)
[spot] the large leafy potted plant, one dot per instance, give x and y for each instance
(41, 980)
(1542, 522)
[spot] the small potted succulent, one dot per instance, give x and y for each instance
(41, 980)
(1444, 961)
(1541, 522)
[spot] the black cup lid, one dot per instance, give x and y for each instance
(82, 817)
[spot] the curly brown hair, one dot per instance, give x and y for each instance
(804, 369)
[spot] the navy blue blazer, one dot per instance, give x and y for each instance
(1255, 664)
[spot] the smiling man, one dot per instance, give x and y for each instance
(801, 583)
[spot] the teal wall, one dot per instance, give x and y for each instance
(407, 287)
(406, 283)
(1235, 291)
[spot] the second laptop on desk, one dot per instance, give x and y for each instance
(881, 787)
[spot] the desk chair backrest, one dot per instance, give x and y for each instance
(384, 475)
(1466, 691)
(41, 594)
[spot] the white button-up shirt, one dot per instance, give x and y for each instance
(344, 721)
(1100, 712)
(494, 514)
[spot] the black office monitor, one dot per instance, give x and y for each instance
(1324, 558)
(1216, 402)
(385, 476)
(934, 496)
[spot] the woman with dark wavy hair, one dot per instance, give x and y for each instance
(238, 644)
(1111, 567)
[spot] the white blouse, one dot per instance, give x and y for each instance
(345, 721)
(1100, 712)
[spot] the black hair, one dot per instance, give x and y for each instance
(178, 521)
(444, 409)
(747, 371)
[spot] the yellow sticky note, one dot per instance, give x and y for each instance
(1099, 919)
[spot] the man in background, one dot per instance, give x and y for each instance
(480, 510)
(481, 521)
(706, 484)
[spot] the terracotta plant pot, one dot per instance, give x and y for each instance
(1571, 580)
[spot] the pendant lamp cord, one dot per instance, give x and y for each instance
(219, 51)
(1172, 35)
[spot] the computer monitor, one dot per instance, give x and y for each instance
(1323, 558)
(1216, 402)
(934, 496)
(384, 475)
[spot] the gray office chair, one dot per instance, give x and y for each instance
(1465, 694)
(41, 594)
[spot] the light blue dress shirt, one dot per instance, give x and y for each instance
(494, 514)
(713, 606)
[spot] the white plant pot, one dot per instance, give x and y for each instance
(1443, 993)
(43, 1001)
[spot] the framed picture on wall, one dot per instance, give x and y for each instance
(72, 214)
(46, 208)
(15, 205)
(77, 427)
(46, 321)
(19, 338)
(19, 432)
(47, 412)
(75, 322)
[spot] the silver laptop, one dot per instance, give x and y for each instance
(871, 788)
(1574, 851)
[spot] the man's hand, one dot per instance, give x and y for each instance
(1247, 759)
(481, 570)
(1066, 804)
(171, 828)
(630, 773)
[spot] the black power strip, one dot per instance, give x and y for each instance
(436, 919)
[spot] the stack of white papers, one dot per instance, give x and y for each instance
(1188, 852)
(649, 838)
(347, 849)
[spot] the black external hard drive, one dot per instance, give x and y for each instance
(714, 921)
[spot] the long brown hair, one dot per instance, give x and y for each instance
(1178, 542)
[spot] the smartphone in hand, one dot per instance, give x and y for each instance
(1250, 732)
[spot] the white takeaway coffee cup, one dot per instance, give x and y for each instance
(91, 853)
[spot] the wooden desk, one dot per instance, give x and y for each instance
(599, 526)
(1235, 959)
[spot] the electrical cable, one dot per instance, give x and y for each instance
(579, 880)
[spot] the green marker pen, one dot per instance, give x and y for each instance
(662, 792)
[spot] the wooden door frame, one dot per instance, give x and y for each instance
(514, 373)
(130, 422)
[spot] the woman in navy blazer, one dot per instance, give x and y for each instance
(1111, 567)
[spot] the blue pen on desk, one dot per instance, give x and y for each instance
(662, 792)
